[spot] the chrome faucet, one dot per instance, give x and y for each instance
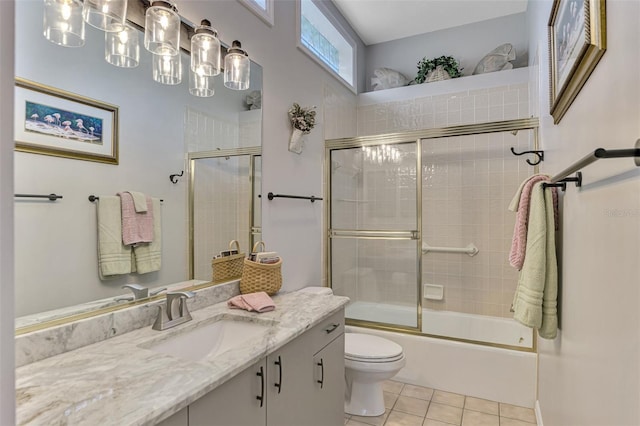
(139, 292)
(165, 318)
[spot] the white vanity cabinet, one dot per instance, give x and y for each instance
(302, 384)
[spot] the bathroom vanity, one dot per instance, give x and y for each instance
(276, 368)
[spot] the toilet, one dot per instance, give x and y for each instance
(368, 361)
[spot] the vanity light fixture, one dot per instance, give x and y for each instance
(162, 28)
(205, 50)
(200, 85)
(167, 69)
(122, 48)
(105, 15)
(63, 23)
(236, 67)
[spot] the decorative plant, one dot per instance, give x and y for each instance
(303, 119)
(449, 64)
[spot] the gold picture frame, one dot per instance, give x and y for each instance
(577, 41)
(55, 122)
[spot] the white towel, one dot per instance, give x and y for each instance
(148, 257)
(114, 258)
(139, 201)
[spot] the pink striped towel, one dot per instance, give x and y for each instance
(520, 204)
(137, 227)
(258, 302)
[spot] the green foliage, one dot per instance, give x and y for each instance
(302, 118)
(449, 64)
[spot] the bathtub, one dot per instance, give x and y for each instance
(479, 328)
(497, 374)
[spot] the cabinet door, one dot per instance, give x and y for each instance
(181, 418)
(328, 398)
(235, 403)
(290, 384)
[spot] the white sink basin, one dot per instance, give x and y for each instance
(212, 339)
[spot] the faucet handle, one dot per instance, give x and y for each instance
(156, 291)
(183, 310)
(139, 292)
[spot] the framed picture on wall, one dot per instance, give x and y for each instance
(577, 41)
(54, 122)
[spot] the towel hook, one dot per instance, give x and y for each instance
(174, 178)
(539, 154)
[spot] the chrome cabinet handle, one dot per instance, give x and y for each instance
(261, 396)
(332, 328)
(278, 384)
(321, 365)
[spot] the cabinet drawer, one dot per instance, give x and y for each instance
(327, 330)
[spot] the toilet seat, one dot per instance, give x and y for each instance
(368, 348)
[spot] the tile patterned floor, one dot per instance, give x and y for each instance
(409, 405)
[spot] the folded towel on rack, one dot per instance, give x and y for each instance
(139, 201)
(535, 301)
(114, 258)
(137, 227)
(258, 302)
(148, 257)
(520, 204)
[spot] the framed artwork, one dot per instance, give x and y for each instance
(577, 41)
(54, 122)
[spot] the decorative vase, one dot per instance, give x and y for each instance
(296, 143)
(437, 74)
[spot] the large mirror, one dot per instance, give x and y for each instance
(158, 127)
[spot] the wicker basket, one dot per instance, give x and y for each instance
(265, 277)
(229, 267)
(437, 74)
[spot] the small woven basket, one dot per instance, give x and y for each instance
(229, 267)
(437, 74)
(265, 277)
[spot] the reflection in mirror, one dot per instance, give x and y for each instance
(231, 176)
(56, 242)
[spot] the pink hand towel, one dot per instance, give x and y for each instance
(137, 227)
(520, 204)
(258, 302)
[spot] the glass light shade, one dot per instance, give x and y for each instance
(162, 28)
(63, 23)
(167, 69)
(205, 50)
(201, 85)
(122, 48)
(236, 68)
(105, 15)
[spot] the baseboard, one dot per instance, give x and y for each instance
(538, 414)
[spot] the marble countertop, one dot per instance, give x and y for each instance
(119, 382)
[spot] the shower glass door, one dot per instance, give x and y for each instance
(224, 187)
(374, 232)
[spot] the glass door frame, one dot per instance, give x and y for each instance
(252, 152)
(410, 137)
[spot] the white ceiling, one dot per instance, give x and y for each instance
(377, 21)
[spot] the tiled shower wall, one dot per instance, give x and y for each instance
(468, 183)
(222, 186)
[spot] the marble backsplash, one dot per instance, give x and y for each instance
(48, 342)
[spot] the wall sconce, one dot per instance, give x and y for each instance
(236, 67)
(122, 48)
(205, 50)
(201, 85)
(63, 23)
(105, 15)
(162, 28)
(167, 69)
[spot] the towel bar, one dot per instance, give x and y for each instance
(94, 198)
(271, 196)
(51, 197)
(471, 249)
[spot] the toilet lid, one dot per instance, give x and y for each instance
(366, 347)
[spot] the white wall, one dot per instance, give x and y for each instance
(7, 388)
(291, 227)
(590, 374)
(467, 43)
